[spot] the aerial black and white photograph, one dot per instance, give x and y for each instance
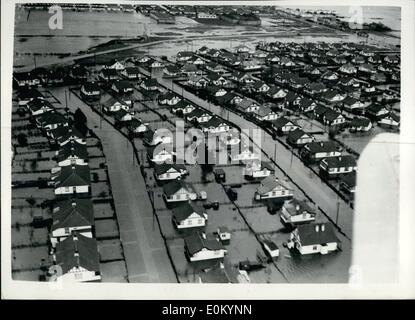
(154, 142)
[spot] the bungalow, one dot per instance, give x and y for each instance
(273, 58)
(391, 120)
(258, 169)
(367, 68)
(178, 190)
(316, 151)
(78, 259)
(246, 154)
(142, 59)
(171, 72)
(261, 87)
(330, 76)
(153, 63)
(132, 73)
(184, 106)
(161, 153)
(109, 74)
(332, 96)
(366, 53)
(360, 125)
(312, 71)
(122, 87)
(295, 212)
(243, 77)
(115, 66)
(189, 215)
(215, 67)
(203, 50)
(153, 138)
(378, 77)
(39, 106)
(284, 125)
(150, 84)
(63, 135)
(286, 62)
(169, 98)
(196, 61)
(358, 60)
(332, 167)
(298, 82)
(333, 118)
(242, 49)
(348, 81)
(215, 91)
(72, 179)
(71, 215)
(319, 111)
(377, 110)
(270, 248)
(274, 188)
(315, 88)
(25, 95)
(26, 79)
(307, 105)
(169, 171)
(348, 69)
(376, 59)
(90, 90)
(137, 126)
(265, 113)
(51, 120)
(298, 138)
(72, 153)
(197, 81)
(352, 104)
(216, 79)
(277, 93)
(348, 182)
(199, 247)
(56, 76)
(215, 125)
(184, 56)
(199, 115)
(391, 59)
(314, 238)
(112, 104)
(248, 105)
(250, 65)
(340, 59)
(122, 116)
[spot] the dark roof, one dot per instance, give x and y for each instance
(73, 176)
(331, 115)
(309, 236)
(270, 183)
(296, 134)
(321, 146)
(37, 104)
(360, 122)
(91, 86)
(183, 211)
(164, 167)
(28, 93)
(270, 244)
(72, 148)
(150, 82)
(132, 70)
(196, 242)
(22, 76)
(109, 72)
(341, 161)
(51, 117)
(320, 110)
(77, 251)
(295, 207)
(349, 179)
(123, 84)
(73, 213)
(280, 122)
(173, 186)
(64, 133)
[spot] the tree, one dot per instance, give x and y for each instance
(80, 121)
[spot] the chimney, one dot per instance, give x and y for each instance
(317, 228)
(73, 203)
(323, 226)
(203, 235)
(297, 207)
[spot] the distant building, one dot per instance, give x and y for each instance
(199, 247)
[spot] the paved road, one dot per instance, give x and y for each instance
(144, 249)
(318, 190)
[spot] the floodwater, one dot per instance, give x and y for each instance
(82, 30)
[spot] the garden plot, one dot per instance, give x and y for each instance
(243, 246)
(95, 163)
(91, 142)
(226, 216)
(110, 250)
(37, 139)
(36, 193)
(30, 258)
(166, 224)
(195, 174)
(214, 192)
(19, 176)
(114, 271)
(103, 210)
(246, 195)
(159, 202)
(99, 174)
(100, 189)
(261, 221)
(29, 236)
(358, 141)
(234, 174)
(24, 215)
(33, 275)
(95, 151)
(106, 228)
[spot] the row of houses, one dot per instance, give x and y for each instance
(73, 247)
